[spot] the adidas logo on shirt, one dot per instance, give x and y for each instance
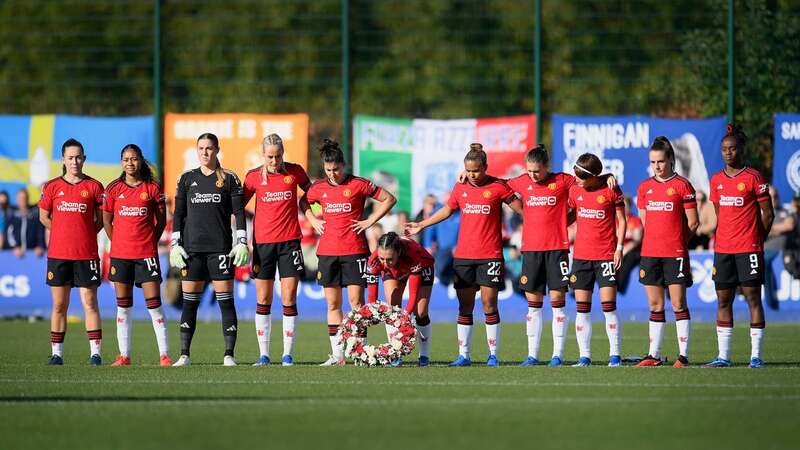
(60, 194)
(231, 328)
(530, 188)
(464, 194)
(580, 198)
(154, 274)
(325, 195)
(719, 187)
(753, 272)
(649, 191)
(121, 196)
(194, 183)
(495, 280)
(185, 325)
(94, 278)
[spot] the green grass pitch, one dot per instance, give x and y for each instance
(305, 406)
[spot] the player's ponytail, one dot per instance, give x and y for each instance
(330, 152)
(476, 154)
(391, 241)
(219, 170)
(588, 166)
(662, 144)
(145, 170)
(538, 155)
(736, 132)
(71, 142)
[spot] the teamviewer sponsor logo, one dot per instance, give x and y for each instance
(730, 200)
(471, 208)
(659, 206)
(540, 201)
(71, 207)
(206, 198)
(587, 213)
(338, 208)
(132, 211)
(276, 196)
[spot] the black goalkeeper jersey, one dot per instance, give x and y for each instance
(203, 209)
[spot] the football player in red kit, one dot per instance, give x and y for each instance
(342, 249)
(668, 210)
(134, 216)
(601, 222)
(276, 242)
(744, 217)
(400, 261)
(70, 209)
(479, 263)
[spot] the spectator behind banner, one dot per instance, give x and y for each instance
(24, 231)
(429, 204)
(631, 247)
(4, 210)
(441, 242)
(782, 226)
(708, 224)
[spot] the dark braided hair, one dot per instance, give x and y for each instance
(476, 154)
(736, 132)
(391, 241)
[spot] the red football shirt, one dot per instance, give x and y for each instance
(739, 227)
(479, 234)
(544, 225)
(72, 209)
(596, 236)
(664, 203)
(134, 209)
(414, 259)
(341, 205)
(276, 202)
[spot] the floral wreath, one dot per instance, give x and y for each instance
(354, 328)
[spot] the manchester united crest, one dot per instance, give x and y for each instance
(740, 187)
(50, 276)
(670, 191)
(144, 196)
(552, 186)
(256, 269)
(347, 193)
(184, 272)
(220, 183)
(319, 275)
(523, 279)
(641, 273)
(601, 199)
(288, 179)
(113, 270)
(573, 278)
(85, 193)
(487, 193)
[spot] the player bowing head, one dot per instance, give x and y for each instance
(342, 250)
(478, 262)
(601, 222)
(744, 217)
(668, 210)
(400, 261)
(70, 209)
(134, 216)
(276, 244)
(202, 243)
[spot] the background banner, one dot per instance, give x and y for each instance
(30, 147)
(622, 142)
(415, 157)
(240, 137)
(24, 293)
(786, 159)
